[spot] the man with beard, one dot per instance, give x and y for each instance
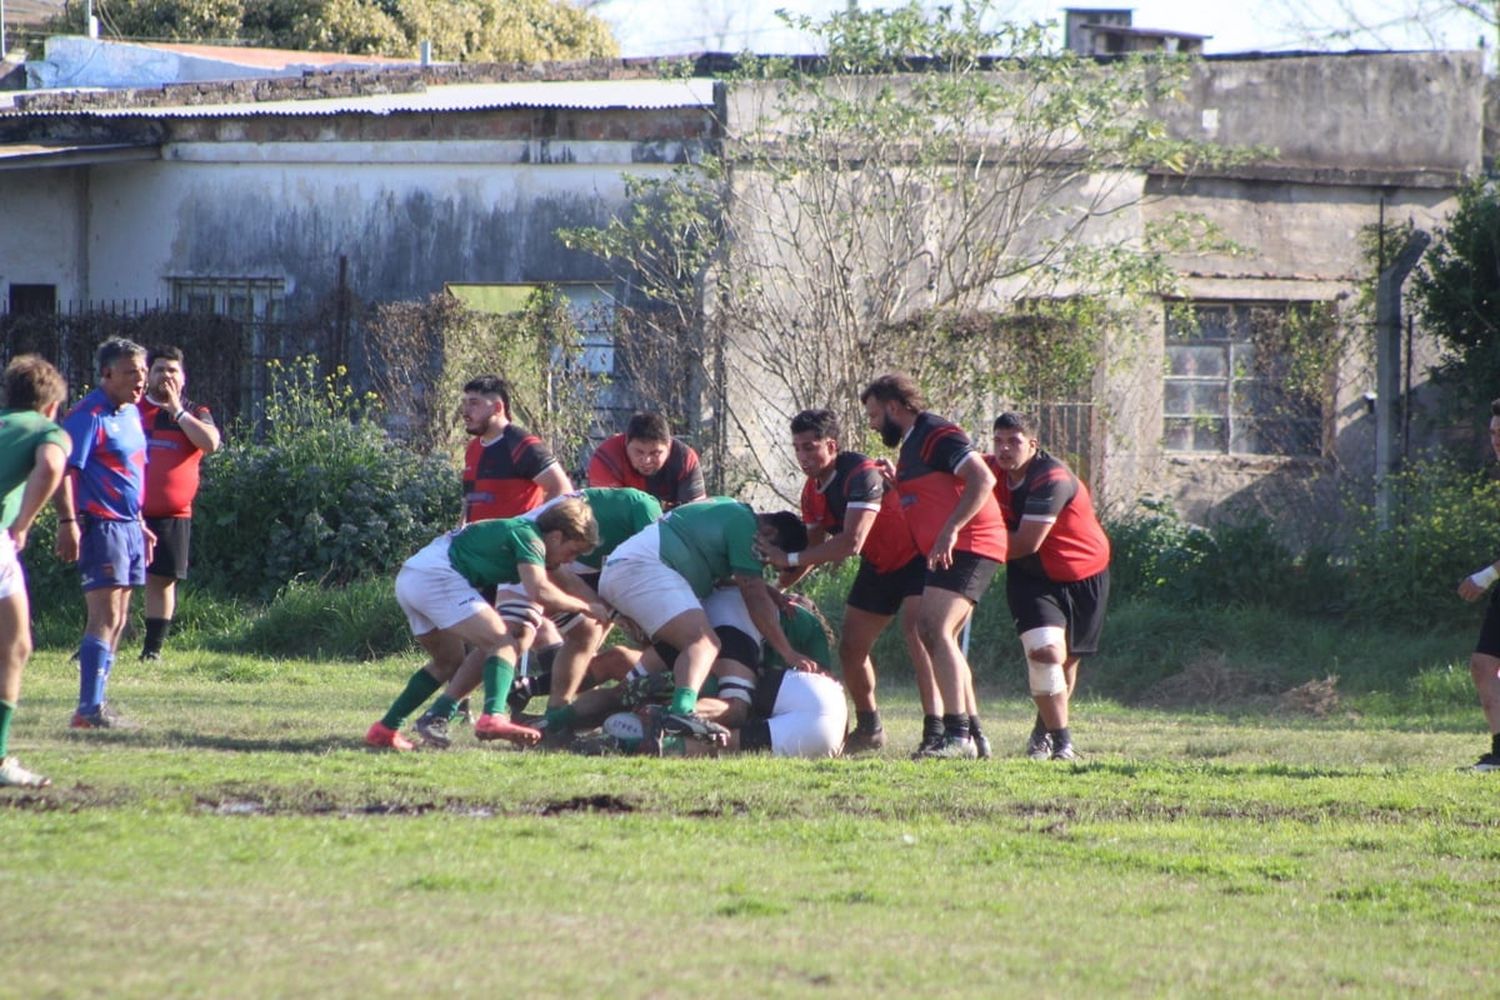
(947, 497)
(178, 435)
(507, 470)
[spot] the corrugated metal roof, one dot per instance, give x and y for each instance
(23, 154)
(587, 95)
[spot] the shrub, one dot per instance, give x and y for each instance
(361, 621)
(1445, 524)
(325, 496)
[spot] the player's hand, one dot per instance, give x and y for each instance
(886, 469)
(18, 538)
(803, 664)
(766, 552)
(801, 601)
(600, 612)
(1469, 590)
(171, 394)
(67, 542)
(941, 556)
(150, 537)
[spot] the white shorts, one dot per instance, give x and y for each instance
(433, 594)
(810, 716)
(726, 607)
(636, 583)
(12, 579)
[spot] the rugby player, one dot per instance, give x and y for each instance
(439, 590)
(661, 579)
(1484, 664)
(647, 457)
(947, 497)
(33, 458)
(849, 510)
(1056, 574)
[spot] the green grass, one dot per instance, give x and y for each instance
(243, 844)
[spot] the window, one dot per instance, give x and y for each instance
(248, 300)
(591, 307)
(1246, 377)
(31, 299)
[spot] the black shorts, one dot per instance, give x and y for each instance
(969, 575)
(1489, 632)
(882, 593)
(173, 537)
(1077, 607)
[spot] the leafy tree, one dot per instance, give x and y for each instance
(867, 204)
(473, 30)
(1457, 293)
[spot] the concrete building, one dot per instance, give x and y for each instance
(245, 198)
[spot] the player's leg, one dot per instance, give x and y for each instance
(497, 645)
(938, 618)
(169, 563)
(445, 652)
(856, 640)
(15, 651)
(922, 671)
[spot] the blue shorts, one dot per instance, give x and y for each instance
(111, 553)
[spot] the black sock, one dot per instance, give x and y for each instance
(956, 727)
(1038, 728)
(932, 728)
(974, 730)
(1060, 737)
(156, 634)
(1495, 744)
(867, 722)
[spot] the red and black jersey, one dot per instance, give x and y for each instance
(1076, 548)
(500, 477)
(858, 484)
(172, 460)
(927, 479)
(678, 481)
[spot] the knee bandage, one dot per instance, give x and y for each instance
(1046, 677)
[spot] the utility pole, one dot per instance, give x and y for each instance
(1388, 367)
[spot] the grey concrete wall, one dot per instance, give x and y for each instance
(42, 238)
(1377, 112)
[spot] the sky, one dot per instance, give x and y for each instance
(669, 27)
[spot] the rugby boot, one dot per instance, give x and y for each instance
(498, 727)
(383, 737)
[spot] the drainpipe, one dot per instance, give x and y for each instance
(1388, 368)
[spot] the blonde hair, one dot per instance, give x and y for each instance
(573, 518)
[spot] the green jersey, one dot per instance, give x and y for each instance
(709, 541)
(618, 510)
(487, 553)
(805, 633)
(21, 433)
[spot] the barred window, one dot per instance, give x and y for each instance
(246, 299)
(1245, 377)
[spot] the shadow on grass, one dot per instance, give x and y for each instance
(174, 739)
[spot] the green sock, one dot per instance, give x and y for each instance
(684, 700)
(445, 707)
(7, 711)
(418, 690)
(561, 718)
(497, 677)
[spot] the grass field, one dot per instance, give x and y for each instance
(243, 843)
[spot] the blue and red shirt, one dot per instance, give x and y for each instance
(109, 457)
(928, 481)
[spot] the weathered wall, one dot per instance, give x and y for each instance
(42, 235)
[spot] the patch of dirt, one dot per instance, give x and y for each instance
(589, 803)
(1207, 681)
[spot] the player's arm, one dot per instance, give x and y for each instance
(1028, 537)
(540, 589)
(201, 431)
(601, 473)
(857, 525)
(1473, 587)
(690, 487)
(787, 576)
(48, 470)
(553, 481)
(764, 615)
(978, 482)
